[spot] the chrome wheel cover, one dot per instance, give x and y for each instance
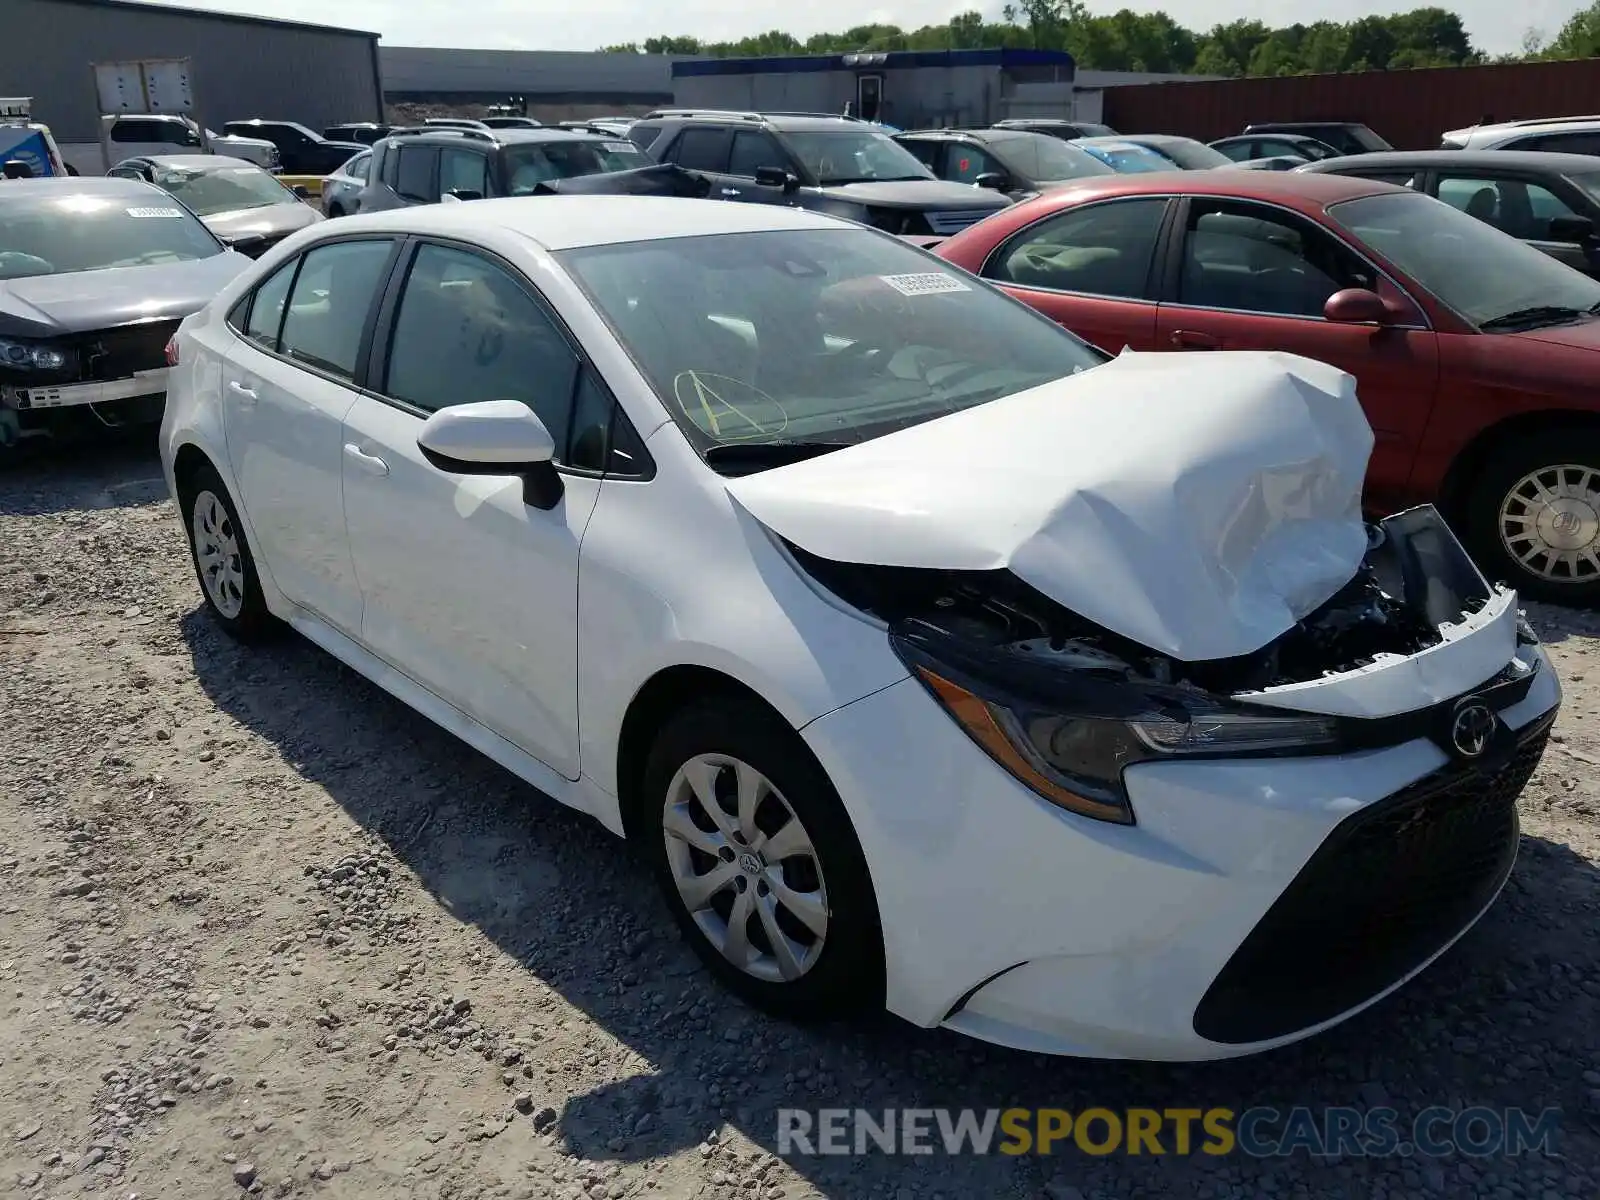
(217, 554)
(745, 868)
(1550, 523)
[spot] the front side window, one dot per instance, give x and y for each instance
(701, 150)
(1238, 151)
(832, 336)
(229, 189)
(1493, 281)
(415, 176)
(463, 171)
(852, 156)
(529, 165)
(57, 234)
(1101, 249)
(1247, 258)
(467, 331)
(963, 163)
(1517, 207)
(753, 150)
(333, 295)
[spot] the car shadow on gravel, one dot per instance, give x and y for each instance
(119, 471)
(1510, 1018)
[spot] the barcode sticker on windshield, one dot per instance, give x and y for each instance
(155, 212)
(619, 147)
(931, 283)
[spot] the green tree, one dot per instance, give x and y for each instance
(1579, 37)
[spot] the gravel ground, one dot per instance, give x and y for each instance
(266, 929)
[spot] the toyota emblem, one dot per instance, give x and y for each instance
(1471, 730)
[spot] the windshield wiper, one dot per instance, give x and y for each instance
(758, 455)
(1536, 315)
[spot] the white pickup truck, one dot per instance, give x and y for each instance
(133, 135)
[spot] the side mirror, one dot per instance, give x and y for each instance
(494, 437)
(776, 177)
(1356, 306)
(1571, 229)
(462, 194)
(994, 181)
(302, 191)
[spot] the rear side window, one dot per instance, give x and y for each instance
(644, 133)
(415, 175)
(328, 308)
(1566, 143)
(924, 152)
(356, 168)
(266, 309)
(1101, 250)
(701, 150)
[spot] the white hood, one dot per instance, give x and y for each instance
(1199, 504)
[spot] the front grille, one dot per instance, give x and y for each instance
(118, 353)
(946, 223)
(1391, 886)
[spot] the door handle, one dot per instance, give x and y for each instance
(732, 192)
(245, 394)
(370, 463)
(1192, 339)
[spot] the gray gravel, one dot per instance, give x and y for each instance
(265, 931)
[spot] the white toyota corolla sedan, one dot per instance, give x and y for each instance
(933, 659)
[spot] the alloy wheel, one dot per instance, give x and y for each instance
(216, 553)
(745, 867)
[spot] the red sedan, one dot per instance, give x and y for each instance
(1476, 357)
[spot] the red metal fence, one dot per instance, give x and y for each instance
(1409, 108)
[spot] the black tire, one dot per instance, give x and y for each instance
(71, 170)
(335, 210)
(1501, 473)
(846, 975)
(252, 621)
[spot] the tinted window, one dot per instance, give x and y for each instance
(266, 310)
(167, 133)
(55, 234)
(414, 176)
(467, 331)
(463, 171)
(1103, 249)
(1476, 271)
(1252, 259)
(925, 152)
(752, 150)
(1522, 209)
(1567, 143)
(701, 149)
(644, 133)
(603, 439)
(328, 309)
(963, 163)
(837, 334)
(1238, 151)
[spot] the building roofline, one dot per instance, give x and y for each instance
(867, 60)
(213, 15)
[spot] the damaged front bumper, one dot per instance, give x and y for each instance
(1226, 900)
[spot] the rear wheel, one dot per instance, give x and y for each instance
(1534, 516)
(760, 865)
(222, 560)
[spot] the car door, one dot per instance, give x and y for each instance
(467, 589)
(1090, 268)
(1242, 275)
(751, 150)
(286, 385)
(1519, 205)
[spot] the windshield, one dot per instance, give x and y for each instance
(1126, 157)
(1190, 155)
(228, 189)
(1042, 158)
(835, 156)
(63, 234)
(1478, 271)
(820, 335)
(1589, 183)
(530, 165)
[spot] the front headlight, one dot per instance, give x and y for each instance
(1072, 746)
(33, 356)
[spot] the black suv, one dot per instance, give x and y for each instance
(424, 165)
(831, 164)
(301, 151)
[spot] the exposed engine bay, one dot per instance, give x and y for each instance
(1414, 580)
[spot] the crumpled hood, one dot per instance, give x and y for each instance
(1199, 504)
(42, 305)
(917, 193)
(272, 220)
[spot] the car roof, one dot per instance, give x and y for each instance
(1287, 126)
(570, 222)
(1545, 162)
(79, 185)
(1537, 125)
(456, 136)
(1290, 187)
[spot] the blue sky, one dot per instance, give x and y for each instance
(1495, 26)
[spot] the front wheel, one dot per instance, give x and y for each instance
(760, 865)
(1533, 516)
